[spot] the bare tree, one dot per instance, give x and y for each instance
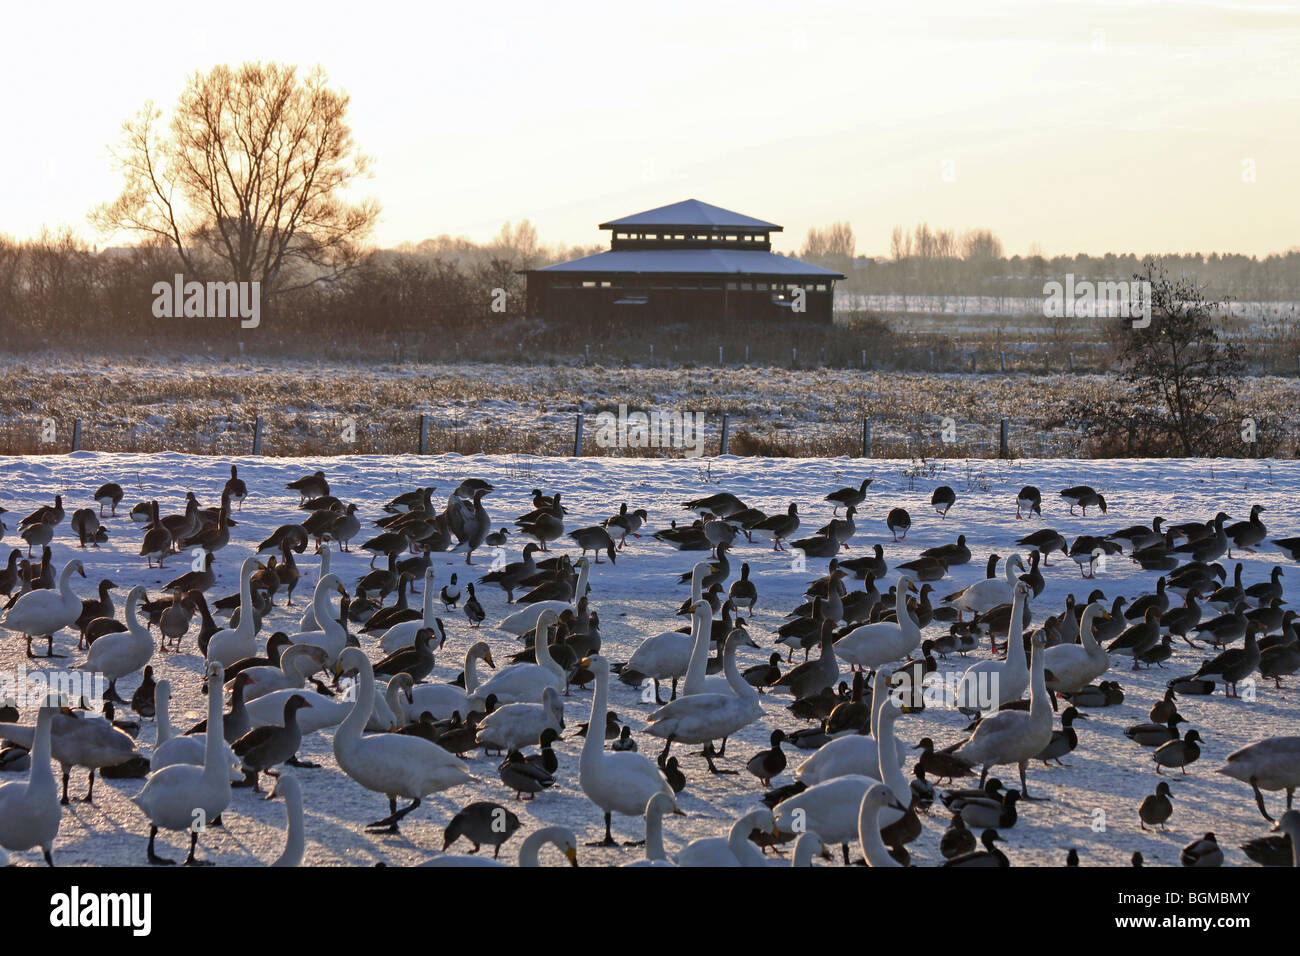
(247, 179)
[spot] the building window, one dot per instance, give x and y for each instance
(747, 287)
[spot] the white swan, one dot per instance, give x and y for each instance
(561, 838)
(873, 645)
(697, 669)
(332, 637)
(169, 749)
(297, 663)
(234, 644)
(736, 849)
(852, 753)
(525, 619)
(1075, 666)
(1014, 736)
(295, 842)
(701, 718)
(308, 620)
(620, 781)
(443, 700)
(517, 725)
(524, 683)
(877, 798)
(985, 595)
(186, 797)
(1271, 764)
(395, 765)
(44, 612)
(324, 711)
(655, 808)
(1006, 679)
(30, 811)
(403, 634)
(668, 654)
(830, 808)
(807, 846)
(123, 653)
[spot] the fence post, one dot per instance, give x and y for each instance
(652, 353)
(864, 358)
(577, 437)
(424, 434)
(794, 357)
(1002, 439)
(866, 438)
(1070, 355)
(1002, 360)
(719, 354)
(746, 354)
(587, 351)
(726, 431)
(257, 436)
(76, 435)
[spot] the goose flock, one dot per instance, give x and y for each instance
(609, 675)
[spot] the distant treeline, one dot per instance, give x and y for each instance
(442, 300)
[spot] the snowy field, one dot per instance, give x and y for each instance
(638, 596)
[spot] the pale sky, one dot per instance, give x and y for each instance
(1079, 126)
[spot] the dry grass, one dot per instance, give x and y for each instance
(208, 407)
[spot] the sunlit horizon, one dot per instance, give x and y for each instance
(1070, 127)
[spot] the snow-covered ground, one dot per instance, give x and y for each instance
(1106, 777)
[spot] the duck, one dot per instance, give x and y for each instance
(957, 840)
(982, 596)
(562, 838)
(1139, 638)
(120, 655)
(1156, 808)
(1233, 665)
(743, 590)
(626, 523)
(767, 764)
(395, 765)
(990, 855)
(810, 677)
(952, 555)
(481, 822)
(849, 497)
(704, 717)
(1210, 548)
(474, 612)
(416, 660)
(1081, 496)
(174, 797)
(736, 849)
(29, 811)
(1014, 736)
(616, 782)
(779, 527)
(1269, 764)
(43, 613)
(1244, 535)
(525, 619)
(898, 520)
(311, 486)
(1154, 734)
(943, 499)
(720, 505)
(1063, 740)
(1277, 850)
(1029, 499)
(981, 814)
(270, 745)
(1204, 852)
(1178, 753)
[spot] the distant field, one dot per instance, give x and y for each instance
(208, 407)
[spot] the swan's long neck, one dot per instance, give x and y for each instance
(654, 831)
(873, 848)
(162, 700)
(215, 773)
(1086, 637)
(320, 603)
(324, 570)
(890, 773)
(1009, 571)
(246, 598)
(1016, 635)
(533, 843)
(879, 694)
(698, 666)
(580, 591)
(65, 586)
(133, 622)
(739, 686)
(349, 732)
(1040, 708)
(471, 673)
(738, 838)
(428, 599)
(542, 647)
(697, 583)
(805, 848)
(295, 841)
(593, 746)
(40, 776)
